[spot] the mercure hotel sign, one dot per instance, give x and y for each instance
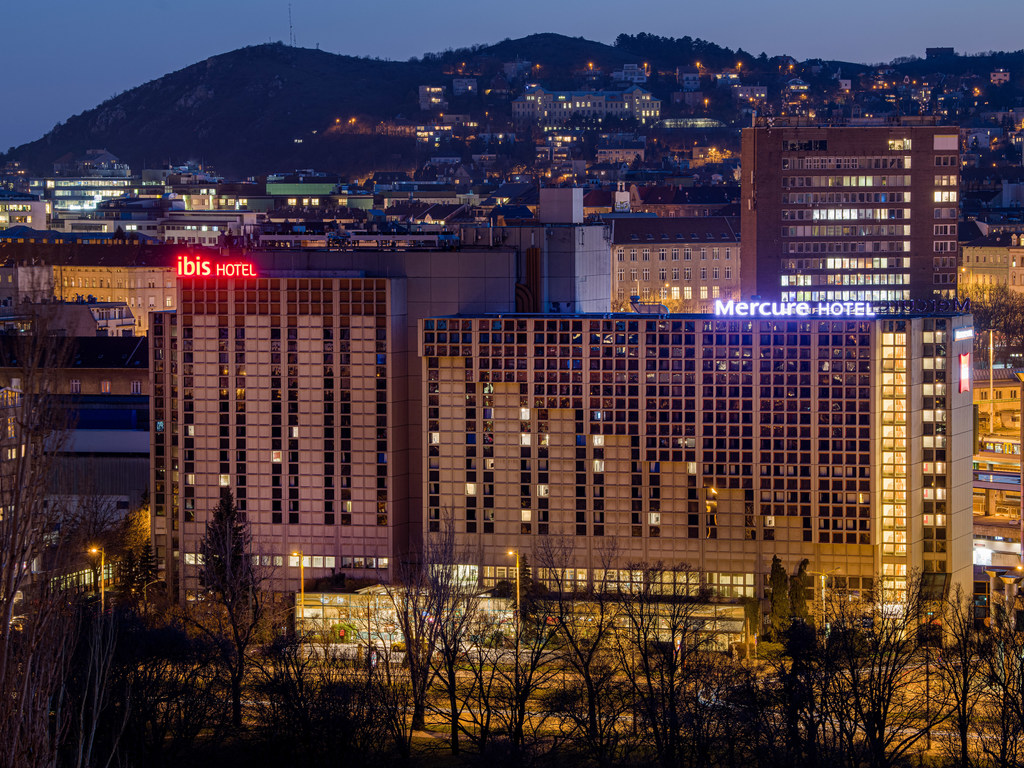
(733, 308)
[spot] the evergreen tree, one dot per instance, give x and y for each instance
(227, 569)
(233, 612)
(778, 583)
(798, 585)
(147, 563)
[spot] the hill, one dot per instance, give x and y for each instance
(242, 111)
(273, 107)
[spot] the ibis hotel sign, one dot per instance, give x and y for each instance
(838, 308)
(198, 266)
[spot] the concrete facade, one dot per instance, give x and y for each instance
(850, 213)
(620, 439)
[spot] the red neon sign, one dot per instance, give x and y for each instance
(965, 372)
(197, 266)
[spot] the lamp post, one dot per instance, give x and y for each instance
(147, 585)
(824, 575)
(103, 573)
(519, 616)
(301, 613)
(519, 605)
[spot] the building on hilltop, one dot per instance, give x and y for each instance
(539, 105)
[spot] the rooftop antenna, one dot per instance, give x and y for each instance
(291, 30)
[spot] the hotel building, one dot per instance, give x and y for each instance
(715, 441)
(850, 213)
(297, 386)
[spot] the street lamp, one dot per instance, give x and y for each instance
(147, 585)
(824, 575)
(301, 613)
(103, 567)
(519, 606)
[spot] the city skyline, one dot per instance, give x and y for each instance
(76, 67)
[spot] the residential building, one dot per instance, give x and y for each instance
(539, 105)
(630, 73)
(749, 94)
(22, 281)
(102, 460)
(621, 150)
(688, 78)
(21, 209)
(672, 201)
(432, 98)
(866, 213)
(684, 263)
(991, 260)
(464, 86)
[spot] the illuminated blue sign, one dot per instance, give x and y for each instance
(794, 308)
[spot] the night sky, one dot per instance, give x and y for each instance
(65, 56)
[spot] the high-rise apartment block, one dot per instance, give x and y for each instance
(864, 213)
(716, 441)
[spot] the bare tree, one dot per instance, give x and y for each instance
(415, 603)
(480, 682)
(666, 652)
(584, 616)
(36, 619)
(393, 693)
(959, 671)
(881, 687)
(176, 691)
(524, 668)
(1000, 728)
(100, 707)
(316, 703)
(456, 603)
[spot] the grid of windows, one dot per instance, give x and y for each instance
(895, 494)
(284, 385)
(679, 428)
